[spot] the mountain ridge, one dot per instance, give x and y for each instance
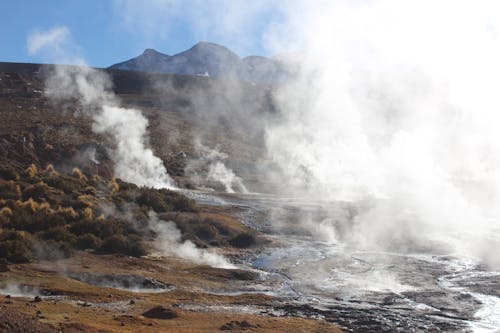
(207, 59)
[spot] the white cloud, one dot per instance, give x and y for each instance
(54, 44)
(54, 37)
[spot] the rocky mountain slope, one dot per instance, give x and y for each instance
(208, 59)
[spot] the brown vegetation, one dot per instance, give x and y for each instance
(50, 214)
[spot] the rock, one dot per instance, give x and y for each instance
(236, 325)
(132, 302)
(159, 312)
(83, 303)
(37, 299)
(243, 240)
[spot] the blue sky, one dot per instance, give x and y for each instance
(109, 31)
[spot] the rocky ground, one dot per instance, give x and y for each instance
(183, 298)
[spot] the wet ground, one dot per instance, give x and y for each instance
(425, 290)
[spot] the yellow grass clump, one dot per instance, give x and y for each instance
(67, 211)
(10, 187)
(113, 186)
(6, 211)
(88, 213)
(44, 206)
(32, 170)
(87, 200)
(30, 204)
(18, 191)
(79, 174)
(50, 170)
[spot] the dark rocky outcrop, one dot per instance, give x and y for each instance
(160, 312)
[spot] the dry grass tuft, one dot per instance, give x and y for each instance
(6, 211)
(77, 173)
(87, 200)
(113, 186)
(32, 171)
(88, 213)
(50, 170)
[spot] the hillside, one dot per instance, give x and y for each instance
(180, 109)
(83, 251)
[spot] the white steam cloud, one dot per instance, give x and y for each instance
(134, 162)
(218, 172)
(396, 104)
(169, 241)
(209, 168)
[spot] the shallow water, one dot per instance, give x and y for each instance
(423, 290)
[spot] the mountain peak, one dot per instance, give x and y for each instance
(150, 52)
(204, 45)
(206, 58)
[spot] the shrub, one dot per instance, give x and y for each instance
(6, 211)
(88, 213)
(23, 218)
(67, 213)
(77, 173)
(37, 191)
(136, 246)
(58, 234)
(50, 170)
(29, 204)
(9, 174)
(113, 186)
(119, 244)
(31, 171)
(86, 200)
(153, 199)
(10, 190)
(90, 190)
(114, 244)
(15, 246)
(65, 183)
(206, 232)
(101, 229)
(184, 204)
(88, 241)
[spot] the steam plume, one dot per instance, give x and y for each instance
(134, 162)
(169, 241)
(395, 104)
(217, 172)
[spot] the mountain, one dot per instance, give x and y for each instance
(207, 59)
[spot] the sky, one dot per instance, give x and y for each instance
(109, 31)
